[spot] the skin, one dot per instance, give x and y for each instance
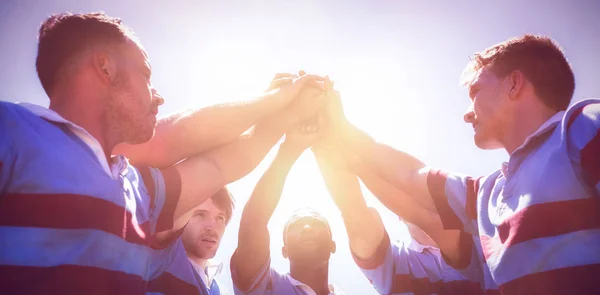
(203, 233)
(308, 243)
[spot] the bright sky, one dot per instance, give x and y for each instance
(396, 64)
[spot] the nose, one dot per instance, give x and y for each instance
(157, 97)
(306, 227)
(469, 116)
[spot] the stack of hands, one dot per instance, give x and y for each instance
(315, 109)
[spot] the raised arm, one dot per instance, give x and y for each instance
(363, 224)
(194, 131)
(252, 253)
(397, 168)
(202, 175)
(406, 208)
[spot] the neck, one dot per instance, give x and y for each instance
(526, 122)
(80, 108)
(199, 261)
(317, 278)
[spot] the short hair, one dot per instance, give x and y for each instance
(64, 36)
(539, 58)
(224, 200)
(304, 212)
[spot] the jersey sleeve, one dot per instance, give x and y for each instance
(583, 141)
(396, 269)
(262, 283)
(455, 199)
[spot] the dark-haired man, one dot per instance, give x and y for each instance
(193, 271)
(76, 220)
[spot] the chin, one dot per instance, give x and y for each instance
(486, 144)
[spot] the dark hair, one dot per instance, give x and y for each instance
(539, 58)
(64, 36)
(224, 201)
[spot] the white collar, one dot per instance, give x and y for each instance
(205, 273)
(309, 291)
(119, 163)
(550, 123)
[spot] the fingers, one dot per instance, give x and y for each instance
(283, 75)
(280, 82)
(315, 81)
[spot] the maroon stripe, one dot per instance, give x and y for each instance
(68, 279)
(69, 211)
(173, 193)
(584, 279)
(436, 182)
(462, 287)
(378, 257)
(148, 183)
(471, 202)
(169, 284)
(492, 292)
(533, 222)
(404, 283)
(590, 160)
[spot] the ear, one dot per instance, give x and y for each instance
(104, 66)
(515, 83)
(333, 247)
(284, 252)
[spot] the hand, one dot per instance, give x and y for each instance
(305, 134)
(285, 87)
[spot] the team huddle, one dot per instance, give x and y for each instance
(97, 196)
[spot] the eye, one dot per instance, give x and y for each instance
(221, 219)
(199, 214)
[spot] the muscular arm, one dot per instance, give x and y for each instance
(408, 209)
(184, 134)
(252, 252)
(192, 132)
(397, 168)
(363, 224)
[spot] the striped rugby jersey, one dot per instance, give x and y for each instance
(180, 278)
(70, 223)
(270, 282)
(411, 268)
(535, 223)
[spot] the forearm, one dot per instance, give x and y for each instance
(363, 224)
(253, 237)
(402, 204)
(191, 132)
(393, 166)
(240, 157)
(266, 194)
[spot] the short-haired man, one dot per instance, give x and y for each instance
(195, 272)
(308, 242)
(81, 221)
(534, 223)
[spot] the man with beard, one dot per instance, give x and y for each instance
(76, 220)
(200, 241)
(307, 237)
